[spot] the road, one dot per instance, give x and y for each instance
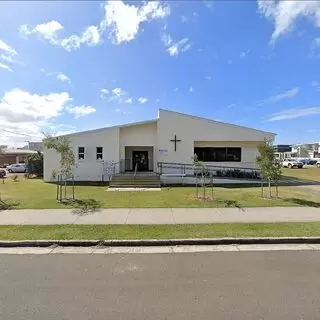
(215, 285)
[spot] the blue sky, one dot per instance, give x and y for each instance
(70, 66)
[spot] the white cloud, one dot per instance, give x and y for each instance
(27, 114)
(294, 113)
(6, 54)
(21, 106)
(80, 111)
(174, 48)
(191, 89)
(104, 93)
(7, 49)
(129, 100)
(176, 89)
(115, 95)
(208, 78)
(284, 95)
(50, 32)
(6, 67)
(184, 19)
(90, 36)
(315, 84)
(166, 39)
(208, 4)
(118, 110)
(284, 14)
(61, 76)
(231, 106)
(315, 48)
(243, 54)
(123, 20)
(142, 100)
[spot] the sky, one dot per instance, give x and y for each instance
(72, 66)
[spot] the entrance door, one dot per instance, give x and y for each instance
(140, 158)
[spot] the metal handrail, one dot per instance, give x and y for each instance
(219, 171)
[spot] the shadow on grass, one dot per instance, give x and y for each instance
(8, 205)
(84, 207)
(304, 203)
(230, 204)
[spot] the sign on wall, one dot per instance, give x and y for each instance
(163, 152)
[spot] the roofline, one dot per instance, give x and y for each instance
(224, 123)
(125, 125)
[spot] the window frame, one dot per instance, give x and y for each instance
(99, 153)
(218, 154)
(81, 153)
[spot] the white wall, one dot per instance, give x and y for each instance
(88, 169)
(190, 129)
(140, 135)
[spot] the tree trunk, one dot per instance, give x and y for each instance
(277, 193)
(262, 195)
(269, 184)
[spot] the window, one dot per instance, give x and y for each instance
(81, 153)
(99, 153)
(218, 154)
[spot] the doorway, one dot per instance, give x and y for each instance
(140, 158)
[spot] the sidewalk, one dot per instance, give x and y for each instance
(159, 216)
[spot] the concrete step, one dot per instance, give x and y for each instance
(135, 186)
(136, 178)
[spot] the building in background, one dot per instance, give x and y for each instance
(283, 151)
(307, 150)
(11, 156)
(35, 146)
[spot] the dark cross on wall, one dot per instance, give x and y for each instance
(175, 140)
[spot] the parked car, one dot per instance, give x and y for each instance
(318, 164)
(291, 163)
(2, 173)
(312, 162)
(17, 167)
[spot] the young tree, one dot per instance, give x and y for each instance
(34, 163)
(67, 158)
(202, 169)
(270, 168)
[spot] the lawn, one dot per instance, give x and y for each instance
(106, 232)
(34, 193)
(306, 173)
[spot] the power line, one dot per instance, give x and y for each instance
(19, 133)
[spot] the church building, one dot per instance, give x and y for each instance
(171, 138)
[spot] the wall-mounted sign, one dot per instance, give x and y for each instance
(163, 152)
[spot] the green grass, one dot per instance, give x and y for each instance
(306, 173)
(105, 232)
(34, 193)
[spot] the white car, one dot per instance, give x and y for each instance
(318, 164)
(291, 163)
(17, 167)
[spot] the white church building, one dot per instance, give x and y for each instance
(171, 138)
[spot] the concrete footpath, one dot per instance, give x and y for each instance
(159, 216)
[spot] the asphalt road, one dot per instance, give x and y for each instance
(213, 286)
